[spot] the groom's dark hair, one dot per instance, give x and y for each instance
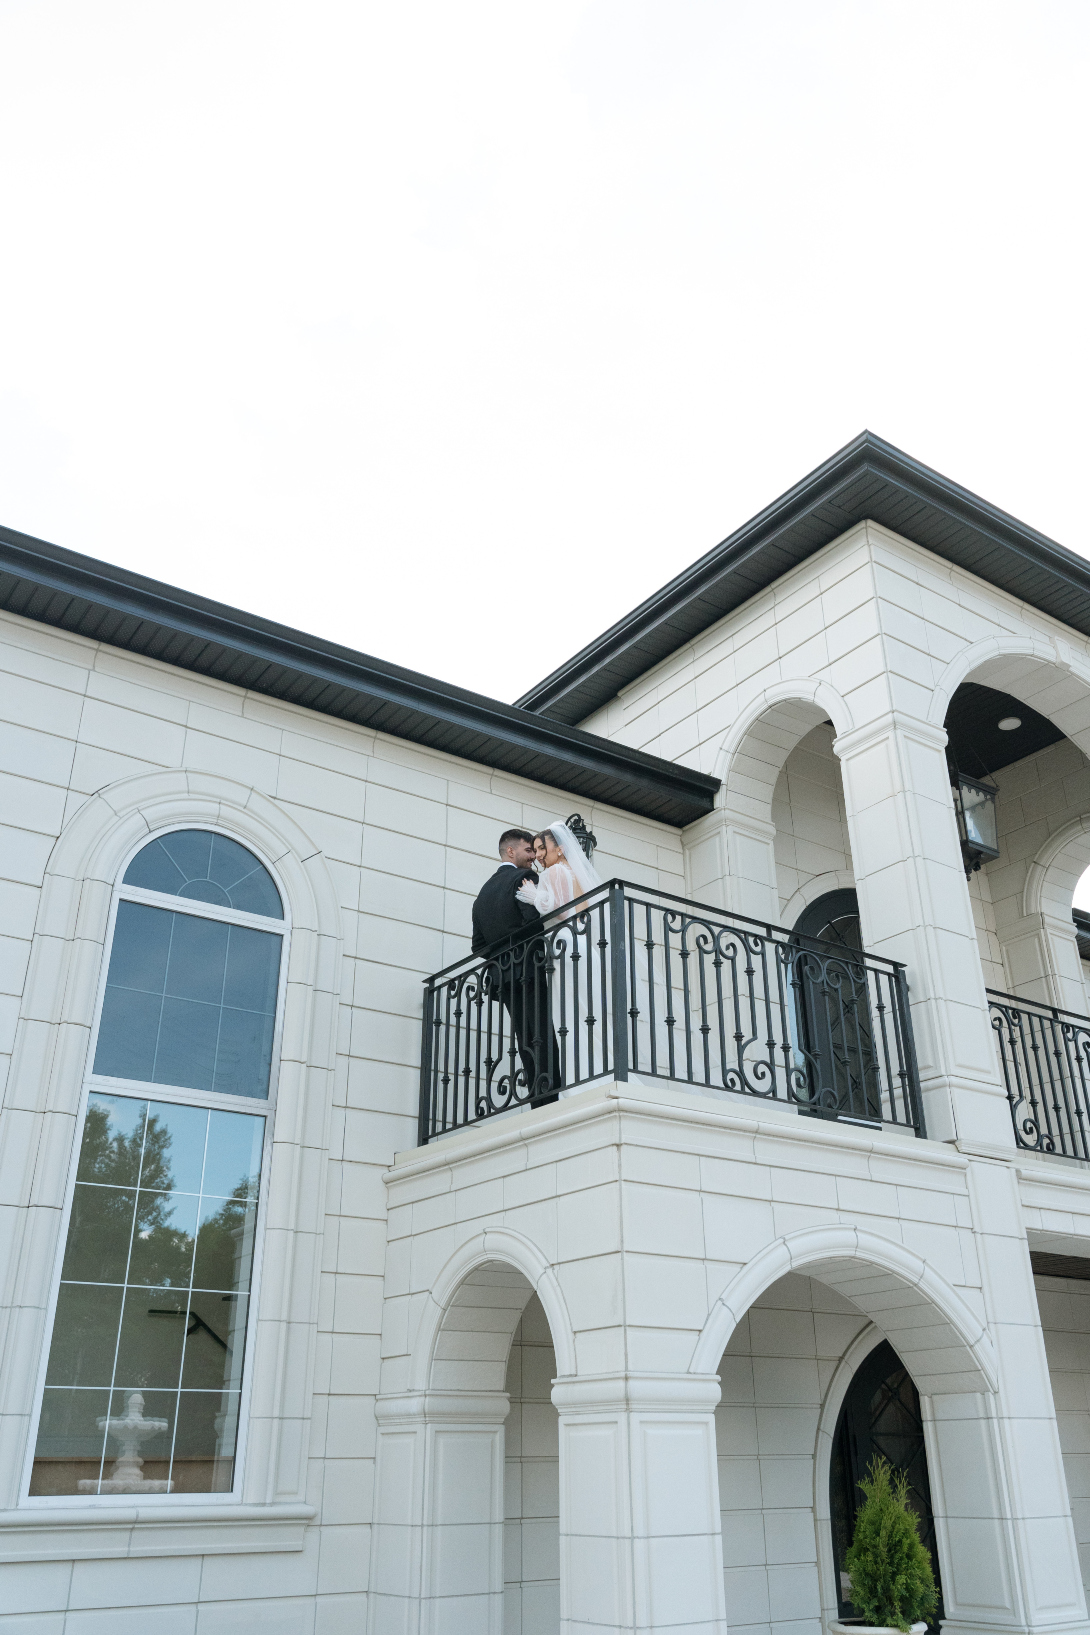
(513, 834)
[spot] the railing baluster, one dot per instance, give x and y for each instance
(1043, 1057)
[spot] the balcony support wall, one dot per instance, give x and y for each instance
(649, 1220)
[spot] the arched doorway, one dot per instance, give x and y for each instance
(833, 1010)
(880, 1415)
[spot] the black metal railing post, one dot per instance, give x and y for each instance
(619, 981)
(910, 1070)
(424, 1120)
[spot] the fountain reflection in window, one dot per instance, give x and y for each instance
(145, 1368)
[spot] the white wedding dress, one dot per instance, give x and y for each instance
(573, 957)
(581, 973)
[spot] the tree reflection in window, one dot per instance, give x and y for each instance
(153, 1300)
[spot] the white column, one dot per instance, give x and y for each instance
(437, 1539)
(1041, 957)
(730, 861)
(1002, 1509)
(640, 1542)
(914, 907)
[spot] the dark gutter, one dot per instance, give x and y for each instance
(869, 479)
(122, 609)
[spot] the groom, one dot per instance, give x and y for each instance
(523, 986)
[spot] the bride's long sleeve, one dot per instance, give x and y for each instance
(556, 887)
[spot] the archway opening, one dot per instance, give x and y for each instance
(1021, 725)
(531, 1545)
(789, 1364)
(494, 1349)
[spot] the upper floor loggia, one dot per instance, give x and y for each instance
(890, 681)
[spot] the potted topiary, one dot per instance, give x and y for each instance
(893, 1587)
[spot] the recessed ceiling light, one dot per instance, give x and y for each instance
(1010, 723)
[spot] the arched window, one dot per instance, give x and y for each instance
(833, 1010)
(880, 1415)
(143, 1386)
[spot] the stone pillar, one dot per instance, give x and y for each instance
(1041, 958)
(730, 862)
(437, 1538)
(640, 1542)
(914, 906)
(1002, 1509)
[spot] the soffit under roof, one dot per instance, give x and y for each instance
(869, 479)
(108, 604)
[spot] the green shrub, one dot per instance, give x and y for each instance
(890, 1570)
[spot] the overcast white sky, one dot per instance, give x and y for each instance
(374, 317)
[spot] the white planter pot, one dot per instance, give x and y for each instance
(837, 1628)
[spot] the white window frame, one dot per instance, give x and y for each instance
(139, 1090)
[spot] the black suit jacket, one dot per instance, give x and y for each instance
(496, 913)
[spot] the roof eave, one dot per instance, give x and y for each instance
(142, 616)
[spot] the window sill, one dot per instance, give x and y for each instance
(78, 1534)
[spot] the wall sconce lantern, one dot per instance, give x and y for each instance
(975, 806)
(582, 834)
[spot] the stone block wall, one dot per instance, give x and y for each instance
(406, 837)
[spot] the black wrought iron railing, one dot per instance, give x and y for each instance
(627, 980)
(1045, 1057)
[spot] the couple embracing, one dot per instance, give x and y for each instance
(537, 875)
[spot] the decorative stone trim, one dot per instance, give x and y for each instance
(93, 1534)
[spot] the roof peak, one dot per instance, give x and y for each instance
(866, 480)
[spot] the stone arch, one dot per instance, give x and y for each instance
(1048, 675)
(763, 735)
(1032, 950)
(441, 1456)
(473, 1309)
(1056, 870)
(942, 1343)
(56, 1017)
(819, 886)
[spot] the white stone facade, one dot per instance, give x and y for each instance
(578, 1368)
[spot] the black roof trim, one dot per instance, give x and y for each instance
(867, 480)
(108, 604)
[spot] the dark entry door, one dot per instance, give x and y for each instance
(834, 1010)
(881, 1414)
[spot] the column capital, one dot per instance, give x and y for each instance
(637, 1393)
(847, 744)
(447, 1407)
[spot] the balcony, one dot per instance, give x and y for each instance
(630, 980)
(1044, 1054)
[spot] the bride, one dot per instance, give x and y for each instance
(574, 943)
(567, 871)
(578, 964)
